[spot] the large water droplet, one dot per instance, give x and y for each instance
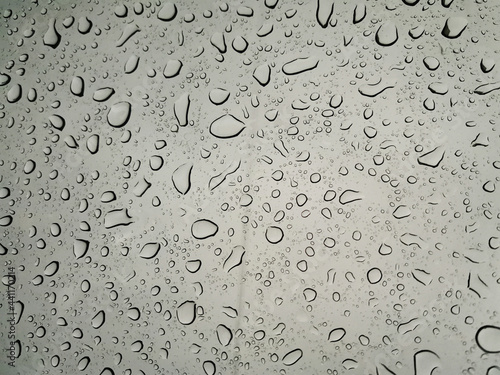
(274, 234)
(292, 357)
(387, 34)
(300, 65)
(186, 312)
(488, 339)
(454, 27)
(167, 12)
(52, 38)
(119, 114)
(336, 334)
(203, 228)
(226, 126)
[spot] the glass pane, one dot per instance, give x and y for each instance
(250, 187)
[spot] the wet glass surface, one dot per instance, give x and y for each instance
(254, 187)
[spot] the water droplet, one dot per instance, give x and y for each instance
(454, 27)
(172, 68)
(226, 126)
(292, 357)
(310, 294)
(372, 90)
(224, 335)
(239, 44)
(265, 30)
(181, 178)
(84, 25)
(51, 268)
(359, 13)
(336, 334)
(374, 275)
(4, 79)
(387, 34)
(324, 11)
(167, 12)
(209, 367)
(487, 88)
(99, 319)
(425, 362)
(52, 38)
(15, 93)
(186, 312)
(80, 248)
(193, 266)
(489, 186)
(487, 64)
(203, 228)
(127, 33)
(274, 234)
(488, 339)
(300, 65)
(181, 109)
(121, 10)
(134, 314)
(219, 96)
(119, 114)
(432, 158)
(431, 63)
(93, 144)
(149, 250)
(349, 196)
(132, 64)
(103, 94)
(234, 259)
(262, 74)
(401, 212)
(117, 217)
(438, 88)
(219, 41)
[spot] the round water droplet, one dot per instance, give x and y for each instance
(77, 86)
(57, 122)
(167, 12)
(15, 93)
(172, 68)
(29, 167)
(134, 314)
(226, 126)
(239, 44)
(488, 339)
(203, 228)
(374, 275)
(186, 312)
(387, 34)
(218, 96)
(193, 266)
(274, 234)
(385, 249)
(51, 268)
(209, 368)
(119, 114)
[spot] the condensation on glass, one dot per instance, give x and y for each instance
(250, 187)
